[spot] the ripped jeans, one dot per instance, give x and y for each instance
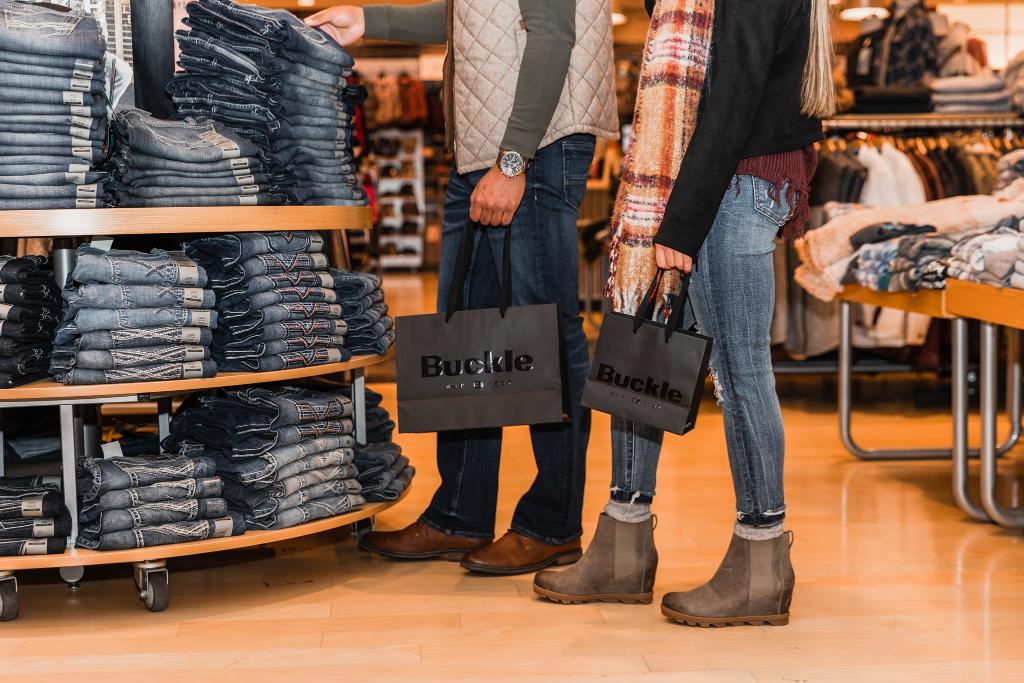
(733, 294)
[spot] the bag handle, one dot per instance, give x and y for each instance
(645, 311)
(458, 287)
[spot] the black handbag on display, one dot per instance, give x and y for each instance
(491, 367)
(649, 372)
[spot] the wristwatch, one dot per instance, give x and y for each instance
(511, 164)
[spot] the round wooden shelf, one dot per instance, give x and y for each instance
(88, 222)
(999, 305)
(50, 390)
(78, 557)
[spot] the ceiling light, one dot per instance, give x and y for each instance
(859, 10)
(618, 18)
(306, 3)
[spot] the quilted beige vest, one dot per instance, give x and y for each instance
(487, 43)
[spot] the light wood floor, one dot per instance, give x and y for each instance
(892, 585)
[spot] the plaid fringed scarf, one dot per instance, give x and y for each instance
(675, 64)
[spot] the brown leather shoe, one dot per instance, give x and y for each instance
(514, 553)
(418, 541)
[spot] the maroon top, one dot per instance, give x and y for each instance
(793, 169)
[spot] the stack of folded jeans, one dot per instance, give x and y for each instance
(134, 317)
(384, 473)
(192, 162)
(285, 452)
(280, 83)
(370, 329)
(54, 128)
(33, 517)
(140, 502)
(29, 312)
(275, 298)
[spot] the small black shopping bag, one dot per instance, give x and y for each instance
(649, 372)
(491, 367)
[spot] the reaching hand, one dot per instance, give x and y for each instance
(672, 259)
(346, 24)
(496, 198)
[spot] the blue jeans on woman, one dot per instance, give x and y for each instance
(544, 271)
(733, 294)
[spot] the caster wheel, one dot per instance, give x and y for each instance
(156, 593)
(72, 576)
(9, 605)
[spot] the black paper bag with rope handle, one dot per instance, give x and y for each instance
(646, 371)
(492, 367)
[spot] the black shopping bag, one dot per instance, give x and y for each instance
(480, 368)
(649, 372)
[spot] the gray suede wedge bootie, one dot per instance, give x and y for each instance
(619, 566)
(753, 585)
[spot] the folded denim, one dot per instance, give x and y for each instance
(86, 153)
(262, 264)
(274, 313)
(93, 319)
(155, 514)
(377, 335)
(358, 305)
(223, 184)
(25, 270)
(343, 456)
(246, 175)
(128, 340)
(165, 534)
(126, 267)
(340, 485)
(43, 31)
(189, 140)
(288, 329)
(321, 508)
(295, 405)
(376, 347)
(136, 357)
(393, 491)
(84, 70)
(53, 98)
(129, 201)
(33, 330)
(52, 179)
(10, 380)
(95, 131)
(27, 361)
(288, 486)
(279, 281)
(32, 164)
(240, 448)
(198, 191)
(122, 499)
(54, 203)
(288, 361)
(371, 317)
(375, 484)
(99, 476)
(275, 346)
(32, 502)
(24, 527)
(43, 138)
(228, 113)
(230, 250)
(139, 161)
(20, 314)
(135, 297)
(56, 111)
(142, 373)
(22, 448)
(90, 192)
(33, 546)
(373, 458)
(261, 469)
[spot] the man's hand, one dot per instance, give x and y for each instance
(672, 259)
(346, 24)
(496, 198)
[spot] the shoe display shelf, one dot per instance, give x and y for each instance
(401, 198)
(79, 423)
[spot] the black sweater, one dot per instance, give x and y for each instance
(750, 107)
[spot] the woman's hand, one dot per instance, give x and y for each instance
(672, 259)
(346, 24)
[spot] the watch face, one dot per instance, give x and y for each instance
(512, 164)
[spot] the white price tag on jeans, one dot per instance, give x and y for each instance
(334, 311)
(44, 528)
(82, 152)
(82, 74)
(112, 449)
(81, 111)
(81, 122)
(72, 97)
(319, 261)
(316, 242)
(228, 146)
(80, 133)
(193, 370)
(326, 280)
(5, 310)
(86, 203)
(74, 178)
(201, 318)
(87, 191)
(240, 165)
(34, 547)
(78, 168)
(81, 85)
(86, 65)
(190, 335)
(32, 506)
(249, 189)
(193, 297)
(248, 200)
(194, 353)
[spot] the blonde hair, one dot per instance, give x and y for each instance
(818, 95)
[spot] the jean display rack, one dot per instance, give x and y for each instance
(79, 422)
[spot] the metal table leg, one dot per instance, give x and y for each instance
(359, 404)
(846, 403)
(163, 419)
(69, 461)
(1008, 517)
(961, 453)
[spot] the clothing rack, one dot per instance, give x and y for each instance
(898, 122)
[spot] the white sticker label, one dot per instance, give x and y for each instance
(330, 296)
(102, 243)
(337, 340)
(222, 527)
(86, 203)
(334, 311)
(81, 133)
(72, 97)
(188, 275)
(201, 318)
(87, 191)
(245, 179)
(35, 547)
(192, 370)
(193, 297)
(85, 65)
(81, 121)
(319, 261)
(82, 152)
(326, 280)
(80, 85)
(74, 178)
(248, 200)
(5, 310)
(190, 335)
(194, 353)
(249, 189)
(229, 147)
(44, 528)
(316, 242)
(78, 168)
(32, 506)
(81, 111)
(334, 355)
(82, 74)
(112, 449)
(240, 165)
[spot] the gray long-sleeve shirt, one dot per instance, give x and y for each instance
(550, 36)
